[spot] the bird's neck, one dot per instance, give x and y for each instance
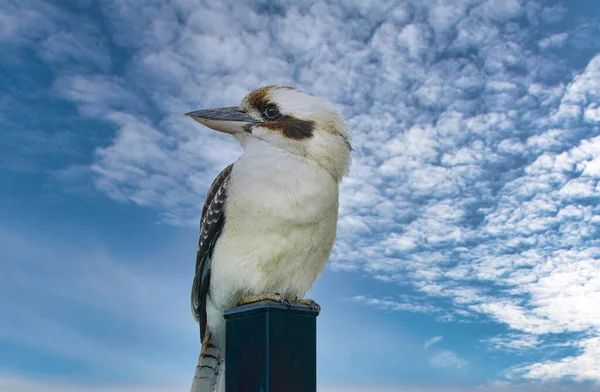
(335, 164)
(270, 181)
(262, 158)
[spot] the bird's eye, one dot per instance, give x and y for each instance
(271, 112)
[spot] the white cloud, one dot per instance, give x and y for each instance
(447, 359)
(514, 342)
(21, 22)
(86, 47)
(581, 367)
(432, 341)
(396, 306)
(554, 41)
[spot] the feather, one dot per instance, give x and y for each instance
(211, 225)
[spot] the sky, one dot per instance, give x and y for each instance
(467, 256)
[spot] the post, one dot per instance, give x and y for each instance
(271, 348)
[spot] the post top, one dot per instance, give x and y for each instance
(270, 306)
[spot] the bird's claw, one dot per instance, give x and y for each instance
(275, 297)
(282, 300)
(309, 302)
(286, 302)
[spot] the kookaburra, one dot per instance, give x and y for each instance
(269, 220)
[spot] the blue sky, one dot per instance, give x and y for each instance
(468, 250)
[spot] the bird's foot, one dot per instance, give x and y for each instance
(275, 297)
(308, 302)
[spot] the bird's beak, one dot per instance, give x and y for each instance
(229, 120)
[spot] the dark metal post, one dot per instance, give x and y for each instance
(271, 348)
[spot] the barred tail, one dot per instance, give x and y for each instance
(210, 371)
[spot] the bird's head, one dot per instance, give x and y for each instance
(290, 120)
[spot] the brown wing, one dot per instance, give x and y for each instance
(211, 225)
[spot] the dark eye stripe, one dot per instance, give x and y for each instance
(291, 127)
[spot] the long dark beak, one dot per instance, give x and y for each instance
(229, 120)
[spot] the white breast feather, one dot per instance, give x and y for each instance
(280, 226)
(279, 230)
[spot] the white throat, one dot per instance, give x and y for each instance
(330, 154)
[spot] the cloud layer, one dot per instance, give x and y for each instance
(475, 178)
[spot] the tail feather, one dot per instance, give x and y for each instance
(210, 371)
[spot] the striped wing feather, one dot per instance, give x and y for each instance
(211, 225)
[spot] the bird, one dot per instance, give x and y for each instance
(268, 223)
